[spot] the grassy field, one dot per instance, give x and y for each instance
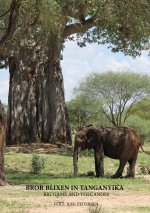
(18, 168)
(59, 170)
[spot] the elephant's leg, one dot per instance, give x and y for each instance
(120, 169)
(96, 165)
(132, 163)
(75, 160)
(101, 168)
(99, 163)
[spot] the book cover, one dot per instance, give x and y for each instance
(74, 106)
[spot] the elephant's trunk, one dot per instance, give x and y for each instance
(75, 161)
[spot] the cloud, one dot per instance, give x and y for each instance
(78, 62)
(141, 64)
(4, 86)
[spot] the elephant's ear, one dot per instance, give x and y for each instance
(93, 137)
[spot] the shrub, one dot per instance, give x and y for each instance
(37, 164)
(141, 126)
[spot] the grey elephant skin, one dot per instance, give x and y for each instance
(120, 143)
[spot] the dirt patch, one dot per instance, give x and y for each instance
(80, 204)
(40, 148)
(108, 204)
(119, 201)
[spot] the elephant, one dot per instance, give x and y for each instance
(120, 143)
(2, 138)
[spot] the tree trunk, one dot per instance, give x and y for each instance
(2, 138)
(36, 105)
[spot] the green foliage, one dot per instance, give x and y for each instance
(78, 113)
(37, 24)
(142, 108)
(121, 25)
(124, 25)
(140, 118)
(83, 112)
(141, 126)
(37, 163)
(5, 107)
(59, 169)
(116, 93)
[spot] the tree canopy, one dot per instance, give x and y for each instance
(142, 108)
(118, 92)
(124, 25)
(82, 113)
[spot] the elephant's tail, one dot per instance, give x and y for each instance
(144, 150)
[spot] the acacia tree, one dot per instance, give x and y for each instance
(32, 34)
(119, 93)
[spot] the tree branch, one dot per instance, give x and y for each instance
(5, 13)
(77, 11)
(3, 64)
(129, 111)
(110, 118)
(114, 122)
(6, 52)
(78, 27)
(121, 109)
(14, 11)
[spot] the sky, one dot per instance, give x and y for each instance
(79, 62)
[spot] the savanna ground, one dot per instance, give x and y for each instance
(58, 169)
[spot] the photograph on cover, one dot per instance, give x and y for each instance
(74, 106)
